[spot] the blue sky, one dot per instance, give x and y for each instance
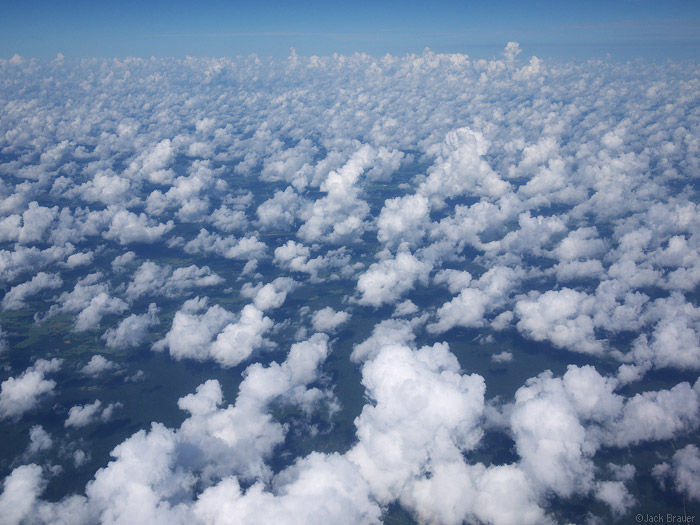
(626, 28)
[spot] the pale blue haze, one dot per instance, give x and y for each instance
(625, 29)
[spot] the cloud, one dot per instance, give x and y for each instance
(20, 491)
(216, 334)
(405, 308)
(133, 330)
(328, 320)
(684, 470)
(82, 415)
(467, 309)
(17, 295)
(403, 219)
(127, 227)
(459, 168)
(187, 474)
(389, 279)
(90, 299)
(421, 403)
(339, 216)
(24, 392)
(281, 211)
(562, 317)
(39, 440)
(555, 199)
(271, 295)
(616, 496)
(391, 331)
(152, 279)
(228, 247)
(502, 357)
(98, 365)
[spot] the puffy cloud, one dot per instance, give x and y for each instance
(83, 415)
(565, 210)
(616, 496)
(562, 317)
(405, 308)
(456, 280)
(120, 261)
(391, 331)
(26, 260)
(154, 163)
(271, 295)
(20, 491)
(191, 474)
(98, 365)
(106, 187)
(550, 439)
(684, 470)
(317, 489)
(152, 279)
(214, 334)
(280, 211)
(24, 392)
(91, 300)
(421, 403)
(559, 424)
(467, 309)
(339, 216)
(403, 219)
(653, 416)
(15, 298)
(237, 341)
(79, 259)
(389, 279)
(39, 440)
(328, 320)
(127, 227)
(36, 220)
(502, 357)
(131, 331)
(295, 256)
(228, 247)
(460, 168)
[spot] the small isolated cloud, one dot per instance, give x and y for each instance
(98, 365)
(616, 496)
(23, 393)
(39, 440)
(83, 415)
(133, 330)
(502, 357)
(271, 295)
(405, 308)
(328, 320)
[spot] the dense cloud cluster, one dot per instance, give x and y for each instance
(292, 223)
